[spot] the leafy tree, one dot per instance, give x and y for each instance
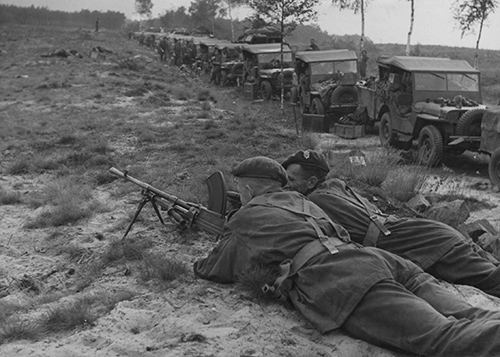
(286, 13)
(203, 10)
(469, 13)
(410, 31)
(356, 6)
(230, 4)
(143, 7)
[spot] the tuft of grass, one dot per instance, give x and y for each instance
(8, 309)
(9, 197)
(403, 183)
(253, 279)
(20, 166)
(18, 329)
(129, 249)
(87, 274)
(159, 267)
(70, 316)
(68, 202)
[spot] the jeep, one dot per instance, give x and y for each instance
(326, 82)
(433, 102)
(263, 67)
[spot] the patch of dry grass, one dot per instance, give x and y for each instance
(404, 182)
(9, 197)
(19, 329)
(159, 267)
(128, 249)
(67, 317)
(67, 202)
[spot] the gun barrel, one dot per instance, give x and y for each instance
(147, 187)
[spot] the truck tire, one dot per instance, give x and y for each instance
(317, 106)
(469, 123)
(266, 90)
(223, 78)
(430, 146)
(344, 95)
(385, 130)
(494, 168)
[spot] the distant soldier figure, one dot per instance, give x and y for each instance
(313, 46)
(163, 49)
(97, 25)
(177, 52)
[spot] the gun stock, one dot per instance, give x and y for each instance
(185, 214)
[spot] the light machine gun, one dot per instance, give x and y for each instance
(185, 214)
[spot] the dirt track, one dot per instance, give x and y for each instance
(45, 102)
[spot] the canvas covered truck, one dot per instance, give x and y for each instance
(263, 68)
(326, 84)
(231, 67)
(431, 102)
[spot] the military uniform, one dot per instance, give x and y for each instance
(434, 246)
(372, 294)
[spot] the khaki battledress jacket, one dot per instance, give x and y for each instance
(268, 231)
(422, 241)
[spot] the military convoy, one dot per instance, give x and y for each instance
(431, 104)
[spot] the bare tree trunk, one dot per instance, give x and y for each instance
(230, 20)
(476, 54)
(282, 84)
(412, 18)
(362, 39)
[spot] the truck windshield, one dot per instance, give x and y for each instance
(270, 57)
(458, 82)
(333, 67)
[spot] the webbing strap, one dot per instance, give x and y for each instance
(342, 233)
(371, 236)
(290, 267)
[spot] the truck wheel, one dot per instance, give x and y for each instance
(430, 146)
(494, 168)
(266, 90)
(223, 78)
(317, 106)
(385, 130)
(469, 123)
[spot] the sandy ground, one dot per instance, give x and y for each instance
(189, 317)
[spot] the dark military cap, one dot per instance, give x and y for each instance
(261, 167)
(308, 158)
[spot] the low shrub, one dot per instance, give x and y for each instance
(20, 166)
(67, 317)
(18, 329)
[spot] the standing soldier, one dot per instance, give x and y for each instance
(163, 49)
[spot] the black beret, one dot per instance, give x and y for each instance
(261, 167)
(308, 158)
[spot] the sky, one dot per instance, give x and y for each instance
(387, 21)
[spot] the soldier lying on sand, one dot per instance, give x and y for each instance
(370, 293)
(437, 248)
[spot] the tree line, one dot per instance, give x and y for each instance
(32, 15)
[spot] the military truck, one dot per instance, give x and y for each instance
(431, 102)
(263, 67)
(326, 82)
(231, 67)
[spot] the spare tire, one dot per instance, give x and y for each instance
(344, 95)
(469, 124)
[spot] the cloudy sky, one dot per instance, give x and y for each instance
(386, 20)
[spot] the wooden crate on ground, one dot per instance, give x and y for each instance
(250, 90)
(314, 122)
(349, 131)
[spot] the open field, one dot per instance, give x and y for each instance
(68, 284)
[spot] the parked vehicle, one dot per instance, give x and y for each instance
(433, 102)
(231, 67)
(263, 67)
(326, 83)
